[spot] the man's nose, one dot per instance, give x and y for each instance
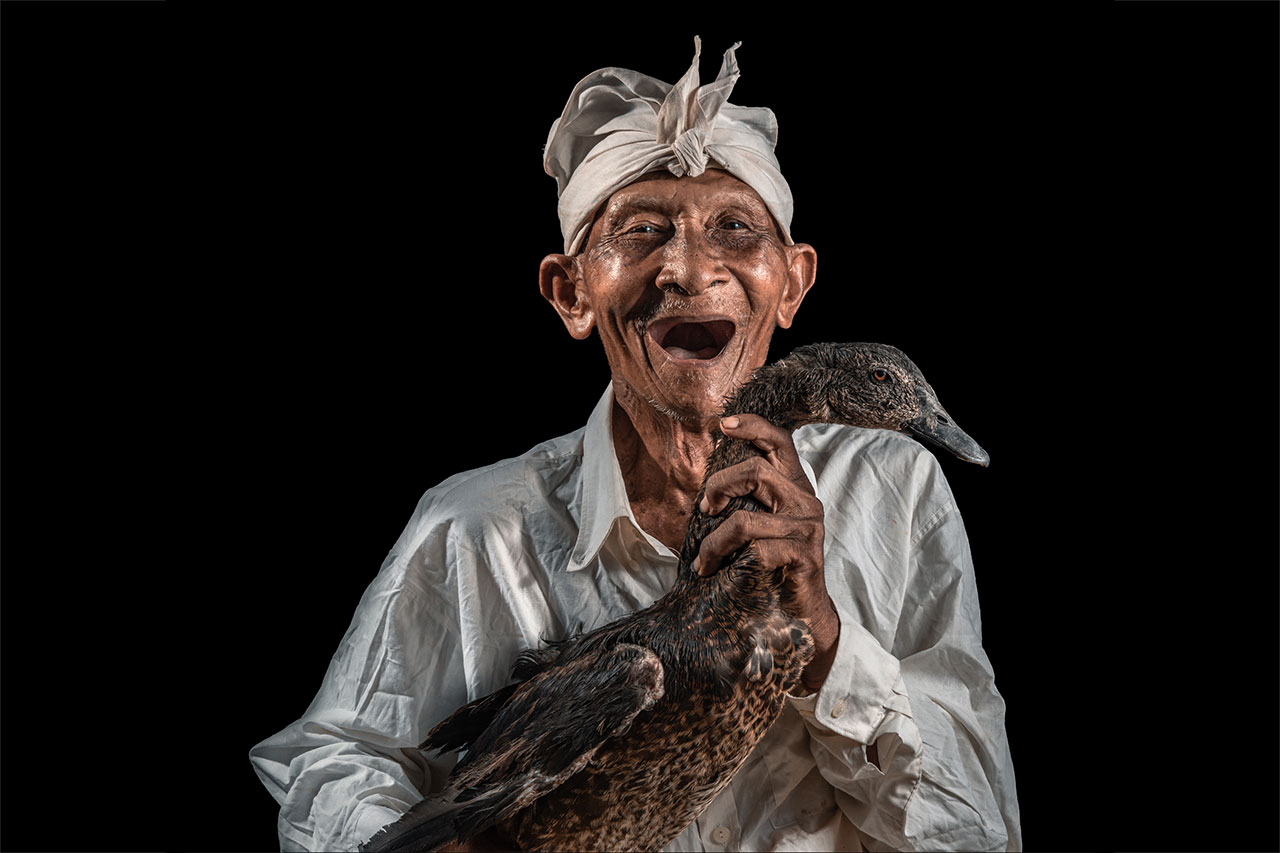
(690, 264)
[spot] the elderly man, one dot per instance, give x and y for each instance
(678, 254)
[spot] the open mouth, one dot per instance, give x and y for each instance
(685, 339)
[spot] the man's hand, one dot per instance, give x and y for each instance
(789, 534)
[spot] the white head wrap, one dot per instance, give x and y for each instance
(620, 124)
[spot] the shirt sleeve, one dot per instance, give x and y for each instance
(349, 766)
(910, 675)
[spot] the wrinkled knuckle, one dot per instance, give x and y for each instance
(768, 555)
(803, 538)
(739, 520)
(806, 563)
(710, 549)
(715, 541)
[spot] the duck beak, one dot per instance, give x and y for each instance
(936, 427)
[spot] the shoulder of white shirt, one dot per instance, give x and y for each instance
(881, 446)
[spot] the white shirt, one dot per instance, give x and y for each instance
(534, 548)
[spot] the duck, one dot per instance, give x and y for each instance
(619, 738)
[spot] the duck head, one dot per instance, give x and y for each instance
(875, 386)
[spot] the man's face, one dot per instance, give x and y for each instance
(685, 280)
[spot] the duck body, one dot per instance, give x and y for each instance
(728, 656)
(641, 790)
(620, 738)
(686, 689)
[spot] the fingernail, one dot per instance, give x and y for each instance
(704, 505)
(696, 565)
(731, 422)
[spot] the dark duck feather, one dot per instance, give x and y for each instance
(618, 739)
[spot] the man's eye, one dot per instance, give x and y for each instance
(643, 228)
(734, 225)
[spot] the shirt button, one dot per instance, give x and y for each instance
(838, 706)
(720, 835)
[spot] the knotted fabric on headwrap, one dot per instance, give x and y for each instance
(620, 124)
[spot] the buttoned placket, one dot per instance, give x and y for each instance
(718, 827)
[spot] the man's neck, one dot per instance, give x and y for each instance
(663, 461)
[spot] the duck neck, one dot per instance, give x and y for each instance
(782, 397)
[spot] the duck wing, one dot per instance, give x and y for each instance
(540, 733)
(465, 725)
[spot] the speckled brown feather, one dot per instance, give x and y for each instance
(695, 680)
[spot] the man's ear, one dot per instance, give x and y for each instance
(560, 280)
(802, 270)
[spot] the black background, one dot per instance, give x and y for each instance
(257, 268)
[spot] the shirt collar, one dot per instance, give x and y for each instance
(604, 494)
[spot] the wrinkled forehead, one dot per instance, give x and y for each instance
(711, 185)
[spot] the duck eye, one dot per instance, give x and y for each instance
(880, 374)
